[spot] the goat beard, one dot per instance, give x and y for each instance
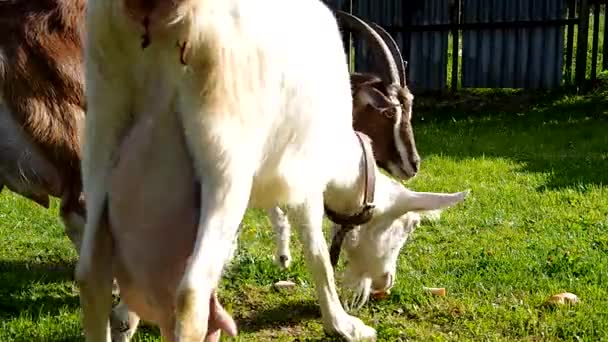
(357, 292)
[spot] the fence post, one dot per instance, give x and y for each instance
(582, 42)
(596, 33)
(570, 41)
(605, 45)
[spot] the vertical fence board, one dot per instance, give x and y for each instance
(524, 57)
(426, 52)
(596, 35)
(605, 45)
(516, 56)
(582, 42)
(570, 41)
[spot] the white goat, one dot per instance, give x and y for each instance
(382, 109)
(262, 107)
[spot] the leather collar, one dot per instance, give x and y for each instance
(348, 222)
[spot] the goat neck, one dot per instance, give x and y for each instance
(348, 222)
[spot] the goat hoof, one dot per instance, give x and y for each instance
(121, 335)
(284, 261)
(352, 329)
(115, 288)
(121, 330)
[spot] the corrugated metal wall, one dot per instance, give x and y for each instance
(426, 52)
(512, 58)
(492, 58)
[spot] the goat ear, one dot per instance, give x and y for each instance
(424, 201)
(366, 96)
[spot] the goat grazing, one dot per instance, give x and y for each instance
(42, 107)
(245, 112)
(372, 252)
(382, 109)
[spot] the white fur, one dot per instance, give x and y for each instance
(282, 234)
(398, 142)
(280, 221)
(372, 250)
(273, 127)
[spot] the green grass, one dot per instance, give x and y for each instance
(535, 225)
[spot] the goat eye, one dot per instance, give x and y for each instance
(389, 113)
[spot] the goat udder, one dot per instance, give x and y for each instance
(219, 320)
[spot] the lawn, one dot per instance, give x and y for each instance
(534, 225)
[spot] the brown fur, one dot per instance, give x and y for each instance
(41, 81)
(373, 115)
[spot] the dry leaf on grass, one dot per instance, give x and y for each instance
(284, 284)
(563, 298)
(437, 291)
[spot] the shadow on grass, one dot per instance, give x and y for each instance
(70, 338)
(27, 289)
(548, 132)
(286, 315)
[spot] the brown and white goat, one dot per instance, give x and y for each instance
(376, 98)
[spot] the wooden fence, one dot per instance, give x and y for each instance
(487, 43)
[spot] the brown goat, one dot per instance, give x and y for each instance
(377, 96)
(42, 105)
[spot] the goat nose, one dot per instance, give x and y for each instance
(384, 283)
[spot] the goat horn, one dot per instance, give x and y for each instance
(360, 26)
(392, 45)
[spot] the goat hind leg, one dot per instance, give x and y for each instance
(226, 177)
(282, 231)
(316, 253)
(222, 209)
(94, 278)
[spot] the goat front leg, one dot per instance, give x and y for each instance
(73, 216)
(282, 231)
(335, 319)
(224, 169)
(73, 225)
(223, 204)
